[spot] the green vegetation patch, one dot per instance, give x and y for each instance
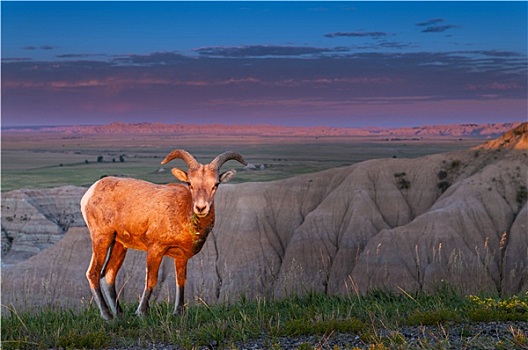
(514, 308)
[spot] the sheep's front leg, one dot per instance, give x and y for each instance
(154, 258)
(180, 266)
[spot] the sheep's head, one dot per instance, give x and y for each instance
(203, 180)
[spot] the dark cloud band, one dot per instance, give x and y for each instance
(265, 51)
(430, 22)
(43, 47)
(356, 34)
(438, 29)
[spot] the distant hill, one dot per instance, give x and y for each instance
(423, 132)
(405, 225)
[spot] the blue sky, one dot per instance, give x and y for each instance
(288, 63)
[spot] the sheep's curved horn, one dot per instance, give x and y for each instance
(224, 157)
(181, 154)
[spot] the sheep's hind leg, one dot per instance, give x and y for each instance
(154, 258)
(116, 256)
(93, 274)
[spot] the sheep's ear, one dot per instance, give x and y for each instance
(180, 174)
(228, 175)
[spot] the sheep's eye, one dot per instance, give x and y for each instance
(215, 186)
(189, 184)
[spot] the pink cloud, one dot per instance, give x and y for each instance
(494, 86)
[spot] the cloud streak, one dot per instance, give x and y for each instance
(433, 27)
(356, 34)
(264, 51)
(430, 22)
(81, 55)
(43, 47)
(438, 29)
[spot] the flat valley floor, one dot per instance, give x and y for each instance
(44, 159)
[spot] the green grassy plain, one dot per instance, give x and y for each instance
(50, 159)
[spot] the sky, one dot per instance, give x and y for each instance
(338, 64)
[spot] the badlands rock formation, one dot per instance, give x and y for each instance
(459, 218)
(33, 220)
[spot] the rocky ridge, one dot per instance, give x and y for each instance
(489, 130)
(400, 224)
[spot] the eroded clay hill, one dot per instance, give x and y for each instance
(400, 224)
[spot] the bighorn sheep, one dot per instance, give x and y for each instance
(172, 220)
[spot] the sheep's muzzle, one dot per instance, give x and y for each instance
(201, 211)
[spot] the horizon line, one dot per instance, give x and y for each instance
(252, 125)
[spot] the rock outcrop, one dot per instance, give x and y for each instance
(459, 218)
(516, 138)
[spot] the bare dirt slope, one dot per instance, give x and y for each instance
(401, 224)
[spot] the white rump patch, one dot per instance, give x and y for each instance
(86, 198)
